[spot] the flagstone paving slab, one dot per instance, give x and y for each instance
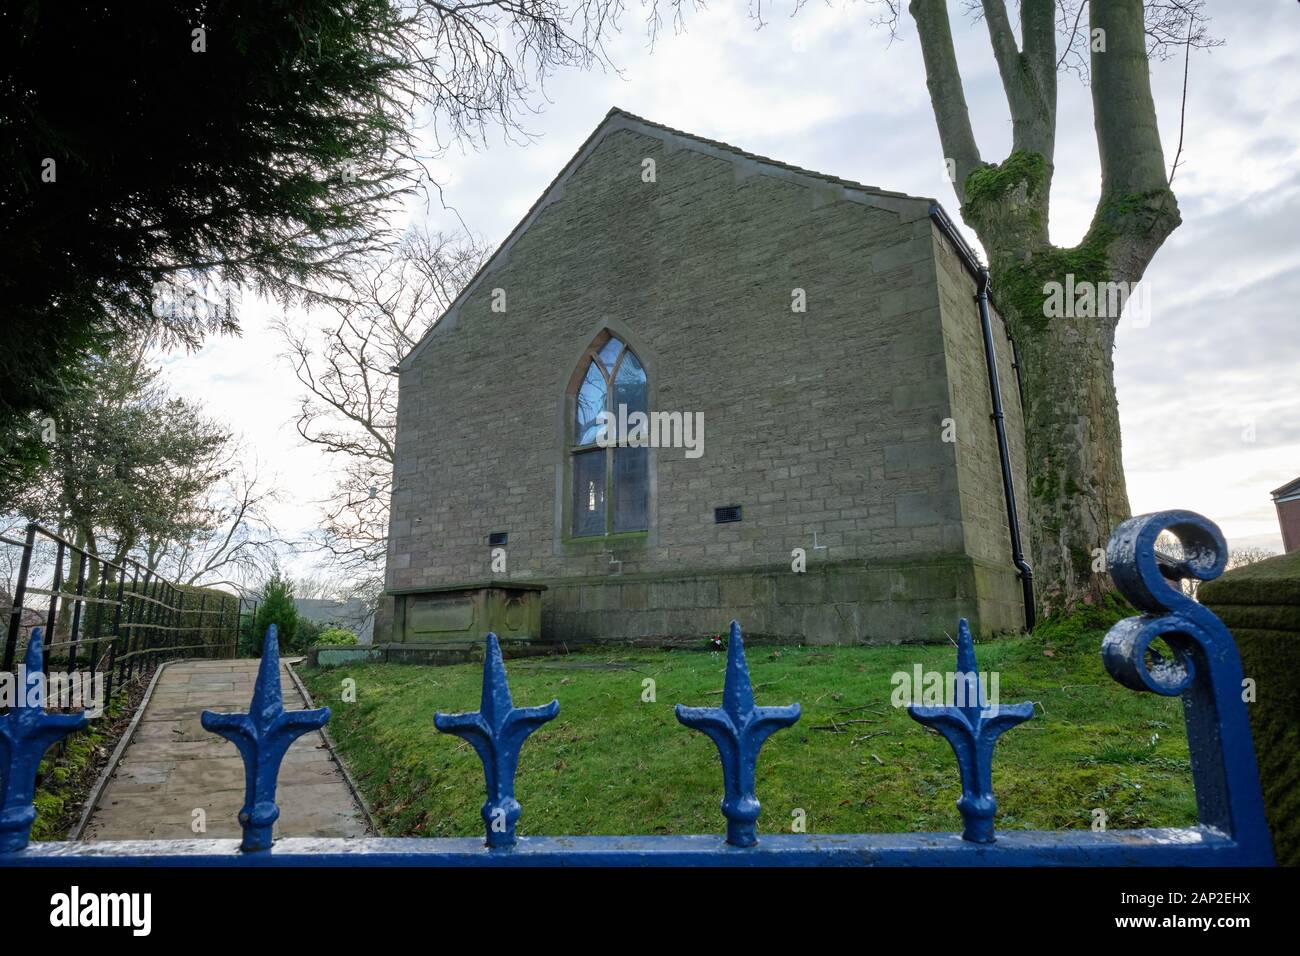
(173, 768)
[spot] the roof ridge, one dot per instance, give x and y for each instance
(615, 120)
(1293, 483)
(758, 157)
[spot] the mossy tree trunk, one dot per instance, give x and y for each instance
(1076, 488)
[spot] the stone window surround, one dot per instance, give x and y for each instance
(615, 543)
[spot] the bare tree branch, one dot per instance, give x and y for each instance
(1169, 26)
(1182, 110)
(947, 97)
(1028, 79)
(1137, 210)
(347, 369)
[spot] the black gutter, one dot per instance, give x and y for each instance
(981, 276)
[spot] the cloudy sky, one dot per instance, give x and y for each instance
(1209, 389)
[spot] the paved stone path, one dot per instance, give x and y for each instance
(173, 766)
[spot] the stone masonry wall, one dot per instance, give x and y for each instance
(823, 422)
(986, 531)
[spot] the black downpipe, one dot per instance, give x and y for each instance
(999, 422)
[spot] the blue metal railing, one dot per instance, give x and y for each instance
(1204, 670)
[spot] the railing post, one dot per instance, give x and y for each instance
(52, 615)
(252, 624)
(160, 608)
(133, 619)
(78, 609)
(146, 624)
(203, 602)
(972, 728)
(117, 633)
(159, 638)
(178, 625)
(221, 617)
(20, 593)
(98, 625)
(263, 736)
(26, 733)
(162, 623)
(1205, 670)
(738, 729)
(496, 731)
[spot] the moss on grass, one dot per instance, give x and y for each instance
(1083, 624)
(68, 772)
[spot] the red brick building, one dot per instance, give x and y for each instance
(1287, 499)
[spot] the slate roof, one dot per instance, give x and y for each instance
(1291, 487)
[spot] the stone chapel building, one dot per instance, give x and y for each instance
(827, 337)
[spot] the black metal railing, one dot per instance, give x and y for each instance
(108, 618)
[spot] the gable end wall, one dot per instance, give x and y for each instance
(826, 421)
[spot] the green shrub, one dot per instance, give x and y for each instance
(335, 636)
(1260, 604)
(308, 633)
(277, 608)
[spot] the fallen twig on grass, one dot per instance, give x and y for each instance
(878, 733)
(870, 707)
(714, 693)
(835, 725)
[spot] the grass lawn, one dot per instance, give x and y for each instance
(613, 764)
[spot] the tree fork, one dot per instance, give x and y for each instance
(1077, 492)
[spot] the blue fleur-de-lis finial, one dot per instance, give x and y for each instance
(263, 736)
(972, 727)
(26, 732)
(738, 728)
(497, 731)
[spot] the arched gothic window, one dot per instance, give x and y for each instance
(610, 485)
